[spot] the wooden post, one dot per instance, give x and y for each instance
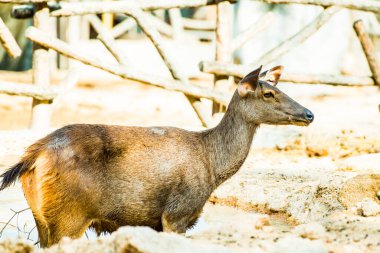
(41, 109)
(107, 18)
(369, 50)
(223, 44)
(176, 23)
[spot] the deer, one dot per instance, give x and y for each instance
(103, 177)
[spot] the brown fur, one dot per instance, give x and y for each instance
(105, 177)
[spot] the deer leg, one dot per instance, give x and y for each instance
(69, 225)
(178, 224)
(42, 233)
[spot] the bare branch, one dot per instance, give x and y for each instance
(15, 213)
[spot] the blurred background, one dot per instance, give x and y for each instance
(323, 46)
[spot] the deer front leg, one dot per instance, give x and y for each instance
(178, 224)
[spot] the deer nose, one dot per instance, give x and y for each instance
(309, 115)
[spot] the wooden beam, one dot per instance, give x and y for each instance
(241, 70)
(362, 5)
(8, 41)
(123, 27)
(334, 80)
(29, 90)
(107, 39)
(144, 21)
(22, 1)
(198, 24)
(369, 50)
(67, 50)
(296, 39)
(163, 27)
(98, 7)
(25, 11)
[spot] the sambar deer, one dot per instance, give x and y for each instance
(104, 177)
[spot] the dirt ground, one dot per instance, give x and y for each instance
(301, 189)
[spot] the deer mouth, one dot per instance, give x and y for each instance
(297, 120)
(300, 122)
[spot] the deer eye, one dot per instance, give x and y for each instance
(268, 95)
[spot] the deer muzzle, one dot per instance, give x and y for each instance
(304, 119)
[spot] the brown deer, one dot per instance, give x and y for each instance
(104, 177)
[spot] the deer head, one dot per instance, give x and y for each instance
(263, 103)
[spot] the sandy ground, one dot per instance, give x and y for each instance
(290, 191)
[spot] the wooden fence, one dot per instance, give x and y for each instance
(153, 27)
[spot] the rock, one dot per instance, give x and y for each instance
(19, 246)
(317, 150)
(368, 207)
(366, 162)
(312, 231)
(148, 240)
(124, 240)
(293, 244)
(358, 188)
(262, 221)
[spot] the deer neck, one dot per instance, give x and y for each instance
(228, 143)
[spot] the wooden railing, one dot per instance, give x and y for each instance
(140, 11)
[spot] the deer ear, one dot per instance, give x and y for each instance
(272, 75)
(249, 82)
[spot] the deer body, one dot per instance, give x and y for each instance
(105, 177)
